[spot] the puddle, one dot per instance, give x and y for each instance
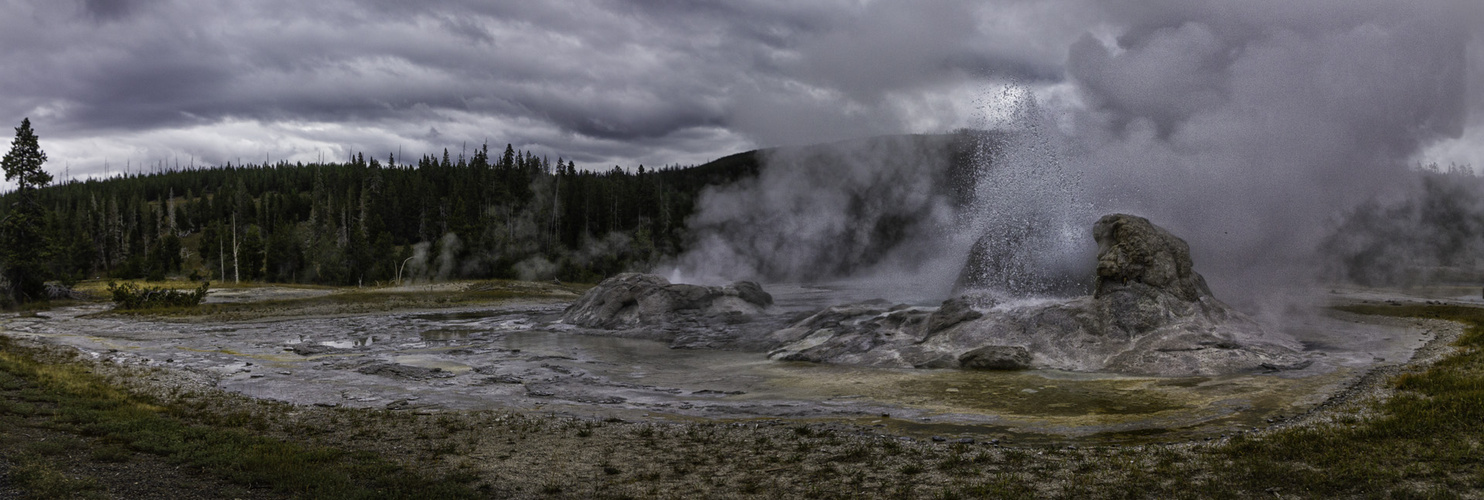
(427, 361)
(445, 334)
(348, 344)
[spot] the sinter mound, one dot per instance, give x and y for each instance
(1150, 314)
(689, 316)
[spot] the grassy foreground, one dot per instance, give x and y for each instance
(1422, 440)
(38, 390)
(1426, 440)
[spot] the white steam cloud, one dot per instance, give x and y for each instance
(424, 267)
(1247, 128)
(846, 209)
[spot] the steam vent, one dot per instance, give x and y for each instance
(1150, 314)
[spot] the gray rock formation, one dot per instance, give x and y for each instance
(693, 316)
(1150, 313)
(1134, 254)
(996, 357)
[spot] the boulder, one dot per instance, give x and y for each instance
(870, 333)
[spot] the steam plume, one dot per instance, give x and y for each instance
(1247, 128)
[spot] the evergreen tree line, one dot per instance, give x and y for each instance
(510, 215)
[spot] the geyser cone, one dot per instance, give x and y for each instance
(1152, 314)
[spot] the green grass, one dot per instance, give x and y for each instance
(42, 479)
(75, 400)
(351, 300)
(1423, 441)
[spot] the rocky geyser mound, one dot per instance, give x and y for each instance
(1150, 313)
(690, 316)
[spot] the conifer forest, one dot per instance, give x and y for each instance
(508, 214)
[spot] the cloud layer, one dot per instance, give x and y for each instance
(601, 82)
(1249, 128)
(1243, 125)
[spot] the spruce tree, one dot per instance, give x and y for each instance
(22, 237)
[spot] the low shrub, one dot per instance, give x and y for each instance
(132, 296)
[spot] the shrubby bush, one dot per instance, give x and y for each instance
(131, 296)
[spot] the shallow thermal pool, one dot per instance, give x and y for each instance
(515, 357)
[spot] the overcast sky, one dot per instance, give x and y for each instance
(601, 82)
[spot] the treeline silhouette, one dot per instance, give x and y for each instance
(507, 215)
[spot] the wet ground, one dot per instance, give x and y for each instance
(514, 355)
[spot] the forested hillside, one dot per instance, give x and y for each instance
(508, 215)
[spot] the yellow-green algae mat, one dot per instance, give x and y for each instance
(1039, 406)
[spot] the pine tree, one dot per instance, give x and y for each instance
(22, 236)
(23, 163)
(252, 254)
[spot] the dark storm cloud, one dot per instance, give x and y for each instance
(106, 10)
(605, 80)
(891, 46)
(1242, 125)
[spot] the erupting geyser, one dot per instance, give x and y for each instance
(1027, 215)
(1151, 314)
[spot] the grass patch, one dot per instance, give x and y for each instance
(131, 296)
(41, 479)
(335, 303)
(99, 287)
(1427, 434)
(366, 300)
(82, 402)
